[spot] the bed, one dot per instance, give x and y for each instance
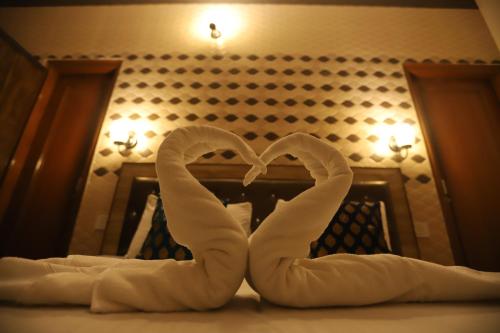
(137, 180)
(247, 312)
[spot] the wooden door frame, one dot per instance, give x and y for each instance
(414, 72)
(56, 68)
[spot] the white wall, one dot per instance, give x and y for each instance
(490, 9)
(264, 29)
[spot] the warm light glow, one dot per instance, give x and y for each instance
(120, 130)
(383, 132)
(141, 127)
(404, 135)
(226, 18)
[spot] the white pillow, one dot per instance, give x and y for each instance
(383, 213)
(143, 227)
(385, 226)
(241, 212)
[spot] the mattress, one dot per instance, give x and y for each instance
(246, 312)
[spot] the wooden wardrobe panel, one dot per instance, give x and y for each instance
(39, 220)
(21, 78)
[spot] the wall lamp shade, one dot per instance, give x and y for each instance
(402, 139)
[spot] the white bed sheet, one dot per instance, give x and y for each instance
(247, 313)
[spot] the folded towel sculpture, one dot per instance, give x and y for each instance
(197, 219)
(276, 252)
(281, 273)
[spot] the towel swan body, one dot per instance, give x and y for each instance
(276, 252)
(196, 218)
(281, 273)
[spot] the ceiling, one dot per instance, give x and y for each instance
(465, 4)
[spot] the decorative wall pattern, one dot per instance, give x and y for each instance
(332, 71)
(343, 100)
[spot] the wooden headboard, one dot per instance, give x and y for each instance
(137, 180)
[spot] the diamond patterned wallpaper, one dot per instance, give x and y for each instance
(342, 81)
(344, 100)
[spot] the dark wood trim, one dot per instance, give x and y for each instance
(128, 172)
(13, 174)
(390, 177)
(112, 68)
(37, 66)
(445, 71)
(86, 66)
(450, 71)
(461, 4)
(496, 85)
(21, 50)
(55, 69)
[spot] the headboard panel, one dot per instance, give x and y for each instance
(137, 180)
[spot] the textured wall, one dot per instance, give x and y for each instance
(335, 72)
(490, 9)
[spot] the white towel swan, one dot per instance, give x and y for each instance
(196, 218)
(281, 273)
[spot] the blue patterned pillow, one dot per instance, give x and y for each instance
(355, 228)
(159, 243)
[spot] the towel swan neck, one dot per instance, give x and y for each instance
(185, 145)
(319, 158)
(281, 273)
(196, 218)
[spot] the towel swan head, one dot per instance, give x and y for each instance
(320, 159)
(185, 145)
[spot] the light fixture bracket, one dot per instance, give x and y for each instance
(125, 146)
(401, 151)
(214, 33)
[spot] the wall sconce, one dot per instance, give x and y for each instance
(402, 140)
(123, 136)
(214, 33)
(224, 21)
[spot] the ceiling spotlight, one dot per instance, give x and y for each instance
(214, 32)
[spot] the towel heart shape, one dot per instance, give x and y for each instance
(273, 257)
